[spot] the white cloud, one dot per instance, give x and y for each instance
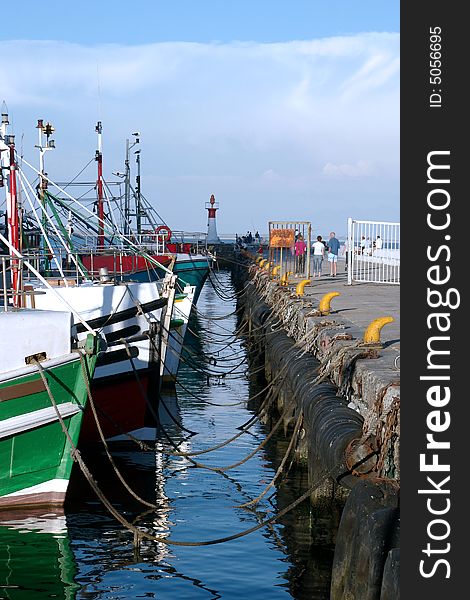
(258, 125)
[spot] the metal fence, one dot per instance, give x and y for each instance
(284, 250)
(373, 252)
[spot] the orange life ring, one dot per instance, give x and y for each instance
(164, 228)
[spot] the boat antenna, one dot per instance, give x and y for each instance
(99, 187)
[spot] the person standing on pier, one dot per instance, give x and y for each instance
(318, 254)
(300, 247)
(363, 244)
(333, 249)
(378, 243)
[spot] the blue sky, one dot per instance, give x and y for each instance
(280, 109)
(148, 21)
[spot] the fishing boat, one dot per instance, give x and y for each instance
(145, 238)
(44, 376)
(43, 394)
(126, 382)
(128, 314)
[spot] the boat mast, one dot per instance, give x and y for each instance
(13, 222)
(138, 206)
(99, 187)
(127, 188)
(7, 162)
(46, 129)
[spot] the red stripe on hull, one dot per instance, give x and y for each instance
(120, 406)
(39, 499)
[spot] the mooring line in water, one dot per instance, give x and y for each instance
(223, 374)
(228, 332)
(218, 446)
(232, 375)
(215, 356)
(249, 456)
(195, 309)
(177, 382)
(139, 535)
(245, 429)
(187, 455)
(225, 297)
(299, 342)
(222, 297)
(292, 443)
(207, 338)
(229, 374)
(267, 389)
(237, 293)
(235, 335)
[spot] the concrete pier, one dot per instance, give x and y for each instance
(349, 394)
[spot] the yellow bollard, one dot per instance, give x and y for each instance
(262, 262)
(372, 333)
(299, 290)
(324, 306)
(275, 270)
(267, 266)
(285, 278)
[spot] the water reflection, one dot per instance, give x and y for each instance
(36, 560)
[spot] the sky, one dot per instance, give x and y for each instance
(282, 110)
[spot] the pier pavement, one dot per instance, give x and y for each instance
(359, 303)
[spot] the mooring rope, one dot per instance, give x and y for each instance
(139, 535)
(103, 439)
(292, 443)
(250, 455)
(243, 429)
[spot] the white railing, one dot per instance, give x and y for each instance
(373, 252)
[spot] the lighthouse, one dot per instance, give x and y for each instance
(212, 206)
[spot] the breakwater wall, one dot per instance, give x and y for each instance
(348, 393)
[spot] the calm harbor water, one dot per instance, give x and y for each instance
(84, 553)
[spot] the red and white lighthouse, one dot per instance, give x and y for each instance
(212, 206)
